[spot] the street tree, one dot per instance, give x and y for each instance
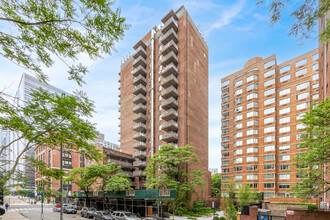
(316, 141)
(305, 16)
(103, 177)
(36, 33)
(228, 200)
(246, 196)
(216, 185)
(170, 168)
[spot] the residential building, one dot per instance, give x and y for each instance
(164, 94)
(261, 107)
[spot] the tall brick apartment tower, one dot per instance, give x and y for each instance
(261, 108)
(164, 94)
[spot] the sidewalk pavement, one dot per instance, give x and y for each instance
(12, 215)
(220, 214)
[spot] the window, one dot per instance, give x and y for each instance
(269, 176)
(159, 98)
(315, 96)
(224, 91)
(284, 148)
(160, 58)
(269, 73)
(269, 64)
(224, 177)
(238, 143)
(301, 72)
(301, 62)
(284, 120)
(252, 150)
(82, 160)
(252, 77)
(160, 47)
(284, 139)
(238, 117)
(316, 66)
(269, 157)
(225, 170)
(284, 92)
(238, 177)
(251, 114)
(269, 111)
(285, 78)
(284, 111)
(284, 157)
(225, 115)
(252, 96)
(251, 132)
(225, 107)
(252, 105)
(251, 167)
(238, 151)
(269, 101)
(159, 70)
(269, 92)
(238, 100)
(67, 160)
(269, 129)
(285, 69)
(238, 160)
(252, 177)
(238, 169)
(225, 162)
(225, 83)
(238, 134)
(159, 107)
(300, 116)
(238, 83)
(284, 166)
(252, 141)
(303, 86)
(283, 186)
(284, 176)
(238, 109)
(269, 139)
(225, 123)
(269, 167)
(252, 122)
(238, 126)
(225, 146)
(269, 148)
(225, 138)
(302, 106)
(301, 126)
(159, 38)
(269, 120)
(269, 194)
(316, 56)
(269, 82)
(251, 159)
(159, 88)
(238, 92)
(253, 185)
(284, 129)
(269, 185)
(315, 86)
(252, 86)
(316, 76)
(284, 101)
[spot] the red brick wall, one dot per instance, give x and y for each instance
(308, 215)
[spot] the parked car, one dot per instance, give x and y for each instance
(87, 212)
(103, 215)
(69, 210)
(154, 218)
(56, 209)
(121, 215)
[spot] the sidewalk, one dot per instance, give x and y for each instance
(12, 215)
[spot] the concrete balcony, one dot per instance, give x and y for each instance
(170, 126)
(170, 103)
(171, 57)
(140, 70)
(140, 145)
(170, 137)
(140, 51)
(121, 163)
(170, 35)
(140, 108)
(139, 80)
(140, 154)
(138, 44)
(139, 89)
(170, 114)
(169, 81)
(138, 173)
(139, 99)
(170, 47)
(170, 23)
(139, 136)
(138, 118)
(130, 174)
(140, 61)
(170, 69)
(170, 92)
(139, 164)
(139, 127)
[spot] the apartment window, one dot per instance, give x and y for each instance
(269, 129)
(160, 47)
(252, 77)
(269, 139)
(251, 132)
(269, 64)
(285, 69)
(269, 92)
(159, 38)
(82, 160)
(225, 99)
(225, 83)
(238, 169)
(285, 78)
(269, 101)
(301, 116)
(251, 114)
(238, 92)
(238, 177)
(268, 176)
(224, 177)
(284, 92)
(238, 117)
(238, 109)
(284, 157)
(252, 96)
(284, 139)
(159, 128)
(225, 162)
(225, 107)
(159, 98)
(238, 100)
(284, 129)
(301, 72)
(269, 185)
(67, 160)
(301, 62)
(252, 86)
(238, 143)
(160, 58)
(284, 148)
(316, 66)
(315, 96)
(269, 82)
(284, 101)
(283, 186)
(269, 148)
(159, 88)
(252, 105)
(225, 146)
(253, 185)
(315, 86)
(299, 175)
(251, 123)
(316, 76)
(224, 91)
(269, 110)
(284, 166)
(269, 157)
(225, 138)
(159, 77)
(225, 170)
(269, 120)
(302, 106)
(225, 123)
(238, 83)
(251, 176)
(269, 73)
(284, 176)
(303, 86)
(238, 126)
(252, 159)
(284, 120)
(159, 107)
(269, 167)
(251, 150)
(251, 167)
(238, 160)
(252, 141)
(160, 69)
(301, 126)
(149, 55)
(269, 194)
(284, 111)
(238, 134)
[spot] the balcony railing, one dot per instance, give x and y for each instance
(139, 136)
(139, 108)
(170, 126)
(139, 89)
(139, 99)
(170, 92)
(170, 58)
(170, 115)
(139, 164)
(140, 70)
(170, 47)
(139, 127)
(140, 145)
(170, 137)
(169, 81)
(170, 69)
(138, 173)
(139, 80)
(139, 118)
(140, 52)
(170, 23)
(140, 61)
(170, 35)
(170, 103)
(121, 163)
(140, 154)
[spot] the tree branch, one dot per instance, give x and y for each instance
(37, 23)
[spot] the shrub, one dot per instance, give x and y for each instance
(222, 218)
(312, 207)
(215, 218)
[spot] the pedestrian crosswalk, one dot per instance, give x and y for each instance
(30, 209)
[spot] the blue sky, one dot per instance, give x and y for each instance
(235, 30)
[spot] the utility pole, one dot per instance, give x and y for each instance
(61, 187)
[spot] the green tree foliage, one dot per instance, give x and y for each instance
(216, 185)
(310, 164)
(40, 31)
(228, 200)
(246, 196)
(48, 120)
(305, 16)
(169, 169)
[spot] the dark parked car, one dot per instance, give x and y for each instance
(69, 210)
(102, 215)
(88, 212)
